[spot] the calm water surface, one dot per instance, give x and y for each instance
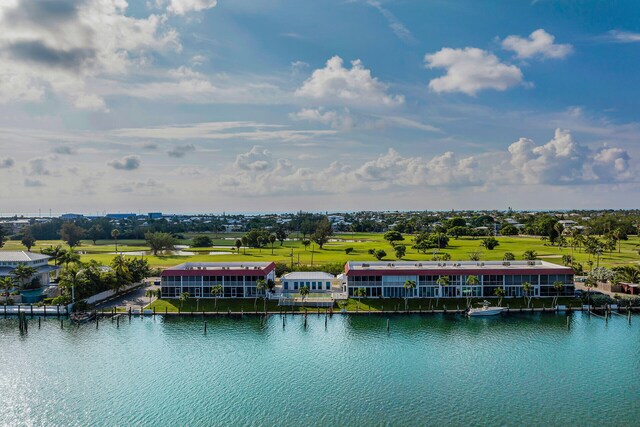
(432, 370)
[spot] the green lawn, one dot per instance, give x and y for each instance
(365, 304)
(333, 251)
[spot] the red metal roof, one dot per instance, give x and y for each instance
(261, 271)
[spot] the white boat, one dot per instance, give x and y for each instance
(485, 309)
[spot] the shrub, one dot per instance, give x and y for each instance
(348, 250)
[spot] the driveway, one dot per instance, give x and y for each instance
(135, 299)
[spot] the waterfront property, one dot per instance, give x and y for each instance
(434, 279)
(238, 280)
(316, 281)
(10, 260)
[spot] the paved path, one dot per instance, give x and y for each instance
(134, 299)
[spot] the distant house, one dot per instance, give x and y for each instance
(121, 215)
(70, 216)
(155, 215)
(9, 260)
(14, 226)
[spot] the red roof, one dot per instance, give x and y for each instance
(249, 271)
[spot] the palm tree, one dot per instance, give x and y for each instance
(557, 285)
(261, 287)
(184, 297)
(238, 245)
(121, 270)
(360, 292)
(245, 242)
(526, 288)
(114, 234)
(71, 278)
(409, 286)
(150, 293)
(304, 292)
(69, 257)
(499, 292)
(471, 282)
(6, 283)
(54, 252)
(272, 240)
(591, 282)
(23, 273)
(216, 291)
(443, 281)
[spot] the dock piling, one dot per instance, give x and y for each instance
(205, 327)
(387, 325)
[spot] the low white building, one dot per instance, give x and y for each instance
(316, 281)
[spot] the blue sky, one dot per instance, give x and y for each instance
(198, 105)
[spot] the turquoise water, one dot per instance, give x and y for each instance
(520, 369)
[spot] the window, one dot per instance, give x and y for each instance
(328, 285)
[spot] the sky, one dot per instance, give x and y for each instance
(334, 105)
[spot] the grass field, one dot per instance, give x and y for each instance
(333, 251)
(365, 304)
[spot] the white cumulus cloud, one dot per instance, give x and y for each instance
(181, 7)
(58, 46)
(471, 70)
(538, 44)
(336, 84)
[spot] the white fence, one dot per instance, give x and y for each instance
(108, 294)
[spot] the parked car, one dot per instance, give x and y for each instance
(578, 293)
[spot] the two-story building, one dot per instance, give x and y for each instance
(9, 260)
(387, 279)
(238, 279)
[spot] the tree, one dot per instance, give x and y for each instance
(348, 250)
(392, 237)
(322, 232)
(526, 289)
(183, 298)
(71, 234)
(530, 255)
(304, 292)
(122, 273)
(55, 253)
(72, 278)
(509, 230)
(159, 241)
(3, 236)
(627, 274)
(499, 292)
(508, 256)
(6, 283)
(69, 257)
(471, 282)
(23, 273)
(245, 242)
(216, 291)
(443, 281)
(150, 293)
(272, 240)
(238, 245)
(28, 240)
(379, 254)
(360, 292)
(114, 235)
(306, 243)
(475, 255)
(490, 243)
(201, 242)
(409, 286)
(557, 285)
(95, 232)
(261, 288)
(281, 235)
(400, 250)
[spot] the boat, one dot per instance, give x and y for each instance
(485, 309)
(82, 316)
